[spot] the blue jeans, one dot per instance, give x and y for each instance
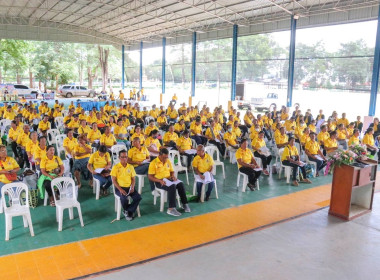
(142, 169)
(210, 186)
(105, 182)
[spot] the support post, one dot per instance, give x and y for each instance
(122, 66)
(292, 50)
(163, 64)
(375, 71)
(193, 62)
(234, 59)
(141, 67)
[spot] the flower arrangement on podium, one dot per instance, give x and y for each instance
(340, 157)
(361, 151)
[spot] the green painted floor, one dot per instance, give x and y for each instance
(98, 214)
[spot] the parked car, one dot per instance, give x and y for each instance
(72, 90)
(270, 100)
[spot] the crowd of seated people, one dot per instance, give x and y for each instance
(148, 134)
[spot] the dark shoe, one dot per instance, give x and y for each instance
(207, 198)
(198, 199)
(251, 187)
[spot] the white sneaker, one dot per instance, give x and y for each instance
(173, 212)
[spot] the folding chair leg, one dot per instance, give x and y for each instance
(29, 218)
(80, 216)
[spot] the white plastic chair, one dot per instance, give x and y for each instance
(163, 198)
(96, 187)
(212, 150)
(59, 144)
(67, 199)
(118, 204)
(65, 113)
(245, 181)
(287, 169)
(177, 167)
(141, 182)
(115, 149)
(203, 190)
(17, 206)
(147, 119)
(58, 122)
(51, 135)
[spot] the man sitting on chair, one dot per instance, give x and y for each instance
(202, 164)
(247, 164)
(123, 178)
(161, 170)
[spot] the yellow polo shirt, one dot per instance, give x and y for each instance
(141, 136)
(159, 169)
(196, 128)
(184, 143)
(13, 134)
(84, 130)
(39, 153)
(98, 161)
(94, 135)
(368, 140)
(258, 143)
(123, 174)
(245, 155)
(80, 149)
(170, 137)
(281, 139)
(8, 164)
(70, 143)
(149, 128)
(23, 139)
(341, 134)
(323, 136)
(50, 164)
(289, 151)
(312, 147)
(31, 146)
(230, 137)
(138, 155)
(120, 130)
(203, 164)
(330, 143)
(178, 127)
(107, 140)
(150, 141)
(353, 140)
(44, 125)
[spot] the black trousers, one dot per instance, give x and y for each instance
(295, 169)
(14, 148)
(264, 159)
(221, 146)
(136, 198)
(172, 193)
(189, 159)
(252, 174)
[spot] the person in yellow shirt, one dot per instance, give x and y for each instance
(44, 125)
(174, 99)
(153, 144)
(196, 132)
(202, 164)
(139, 157)
(343, 120)
(161, 174)
(121, 95)
(51, 168)
(8, 165)
(214, 137)
(305, 137)
(84, 128)
(369, 141)
(74, 122)
(170, 137)
(82, 152)
(32, 146)
(123, 178)
(99, 166)
(314, 153)
(138, 134)
(107, 139)
(180, 127)
(261, 151)
(162, 121)
(312, 126)
(184, 144)
(13, 135)
(247, 164)
(121, 133)
(248, 118)
(94, 135)
(290, 157)
(22, 141)
(9, 114)
(342, 136)
(330, 144)
(151, 126)
(230, 139)
(354, 139)
(281, 139)
(40, 151)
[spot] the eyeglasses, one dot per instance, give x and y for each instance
(124, 157)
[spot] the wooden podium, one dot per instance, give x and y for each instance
(352, 190)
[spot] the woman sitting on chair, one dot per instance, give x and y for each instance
(291, 158)
(153, 144)
(8, 168)
(184, 144)
(261, 151)
(369, 141)
(247, 164)
(82, 152)
(99, 165)
(51, 168)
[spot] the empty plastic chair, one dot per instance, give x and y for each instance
(17, 206)
(67, 199)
